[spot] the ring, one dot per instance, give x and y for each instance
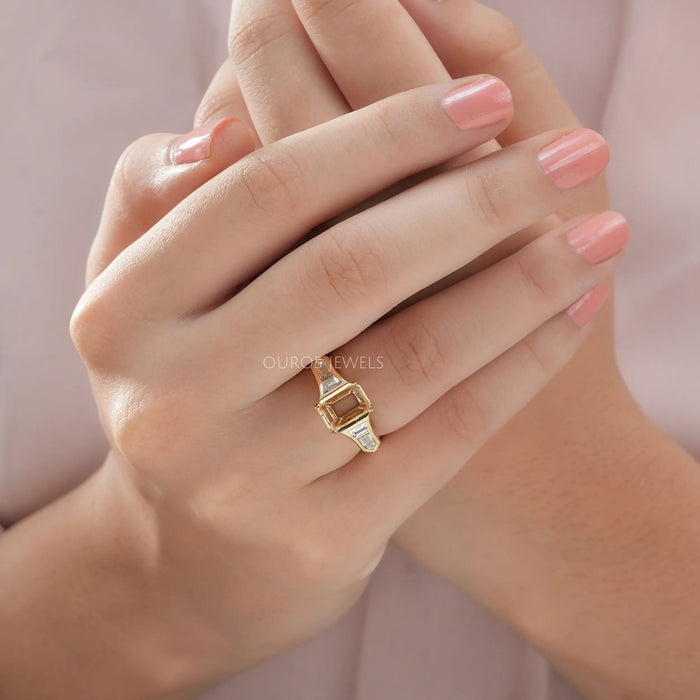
(344, 406)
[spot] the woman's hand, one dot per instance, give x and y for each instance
(565, 476)
(580, 514)
(266, 527)
(347, 55)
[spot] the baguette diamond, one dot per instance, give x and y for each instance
(361, 433)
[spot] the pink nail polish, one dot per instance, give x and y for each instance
(600, 237)
(196, 145)
(575, 158)
(587, 307)
(478, 104)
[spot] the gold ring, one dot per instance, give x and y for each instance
(344, 406)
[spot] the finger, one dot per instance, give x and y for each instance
(472, 38)
(284, 82)
(374, 49)
(223, 98)
(356, 40)
(240, 222)
(155, 174)
(415, 462)
(408, 361)
(333, 287)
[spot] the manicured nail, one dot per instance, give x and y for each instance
(479, 104)
(196, 145)
(600, 237)
(587, 307)
(575, 158)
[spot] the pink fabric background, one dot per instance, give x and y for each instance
(81, 79)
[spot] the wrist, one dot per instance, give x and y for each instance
(179, 644)
(593, 534)
(82, 578)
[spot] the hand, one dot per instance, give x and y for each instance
(381, 40)
(561, 431)
(239, 471)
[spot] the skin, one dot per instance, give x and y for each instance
(138, 488)
(312, 519)
(562, 493)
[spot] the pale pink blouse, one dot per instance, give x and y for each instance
(80, 80)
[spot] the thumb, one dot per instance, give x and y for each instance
(154, 174)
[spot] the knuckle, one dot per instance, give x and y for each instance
(465, 416)
(315, 560)
(544, 358)
(484, 197)
(129, 169)
(505, 40)
(331, 557)
(216, 104)
(383, 130)
(151, 428)
(535, 274)
(415, 350)
(249, 35)
(137, 179)
(107, 326)
(311, 10)
(273, 180)
(312, 558)
(507, 49)
(94, 331)
(123, 170)
(349, 264)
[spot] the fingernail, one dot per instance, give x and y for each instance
(587, 307)
(575, 158)
(479, 104)
(196, 145)
(600, 237)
